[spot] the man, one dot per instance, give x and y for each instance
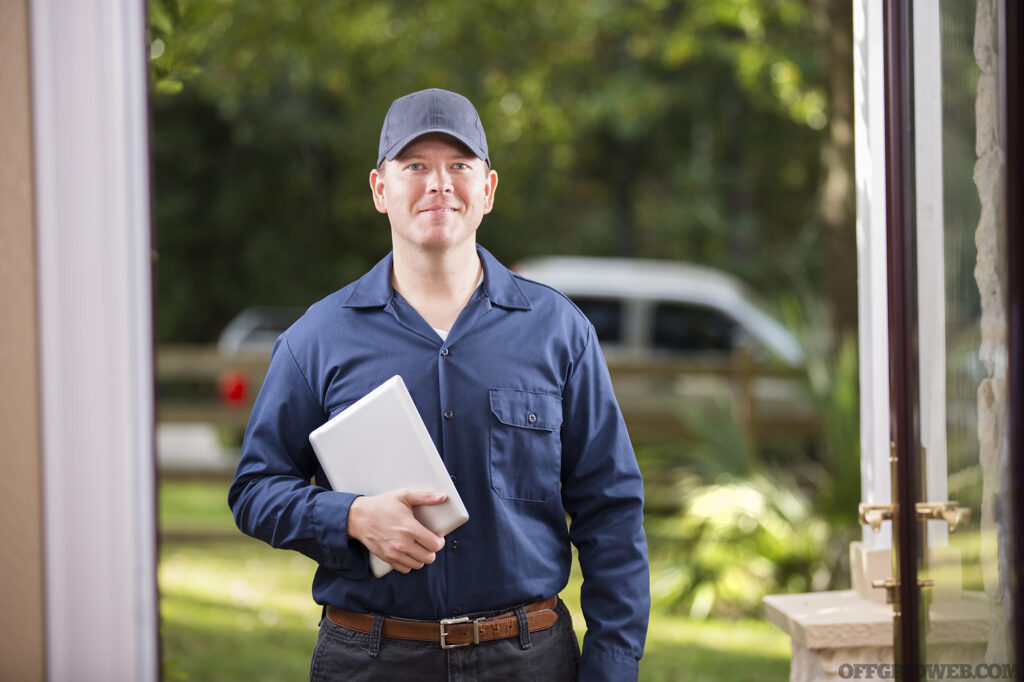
(512, 386)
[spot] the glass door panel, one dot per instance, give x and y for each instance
(959, 168)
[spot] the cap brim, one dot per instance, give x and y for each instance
(397, 148)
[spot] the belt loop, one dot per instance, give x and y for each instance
(378, 624)
(524, 628)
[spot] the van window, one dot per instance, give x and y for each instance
(606, 316)
(683, 327)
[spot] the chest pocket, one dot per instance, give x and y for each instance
(525, 444)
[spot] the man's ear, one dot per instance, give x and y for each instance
(377, 188)
(489, 189)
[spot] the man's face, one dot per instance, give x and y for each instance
(435, 193)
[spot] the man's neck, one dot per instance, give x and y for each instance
(437, 284)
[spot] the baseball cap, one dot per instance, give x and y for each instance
(431, 111)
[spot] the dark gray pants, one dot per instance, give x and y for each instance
(550, 655)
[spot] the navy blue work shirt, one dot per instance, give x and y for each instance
(519, 404)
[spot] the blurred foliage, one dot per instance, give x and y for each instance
(736, 541)
(687, 130)
(832, 384)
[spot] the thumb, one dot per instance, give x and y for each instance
(416, 498)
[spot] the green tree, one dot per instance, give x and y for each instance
(651, 128)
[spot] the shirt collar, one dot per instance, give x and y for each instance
(373, 290)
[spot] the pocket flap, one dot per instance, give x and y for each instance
(526, 410)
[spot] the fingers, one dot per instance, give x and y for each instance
(423, 536)
(410, 548)
(415, 498)
(406, 562)
(385, 524)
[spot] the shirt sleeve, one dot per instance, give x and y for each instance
(271, 497)
(602, 491)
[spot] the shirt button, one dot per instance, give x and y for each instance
(455, 478)
(455, 544)
(532, 418)
(457, 610)
(444, 352)
(449, 414)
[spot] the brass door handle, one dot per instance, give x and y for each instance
(873, 514)
(951, 512)
(892, 586)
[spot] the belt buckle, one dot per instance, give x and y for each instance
(455, 621)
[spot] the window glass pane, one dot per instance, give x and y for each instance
(961, 268)
(690, 328)
(606, 316)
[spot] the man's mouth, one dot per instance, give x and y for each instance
(438, 209)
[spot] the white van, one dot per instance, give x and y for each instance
(685, 338)
(643, 307)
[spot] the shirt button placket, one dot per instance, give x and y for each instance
(449, 413)
(447, 442)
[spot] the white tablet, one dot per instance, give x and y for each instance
(379, 443)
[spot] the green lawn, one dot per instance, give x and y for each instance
(235, 609)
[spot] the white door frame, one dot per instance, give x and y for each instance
(96, 344)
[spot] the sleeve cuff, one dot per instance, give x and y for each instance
(606, 668)
(330, 519)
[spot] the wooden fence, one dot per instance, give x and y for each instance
(198, 384)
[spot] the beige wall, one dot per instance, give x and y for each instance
(21, 558)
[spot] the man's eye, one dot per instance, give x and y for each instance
(415, 166)
(460, 166)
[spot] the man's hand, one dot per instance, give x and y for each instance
(385, 524)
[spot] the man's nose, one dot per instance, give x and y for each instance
(440, 181)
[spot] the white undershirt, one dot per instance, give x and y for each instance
(443, 333)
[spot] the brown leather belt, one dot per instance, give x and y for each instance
(451, 632)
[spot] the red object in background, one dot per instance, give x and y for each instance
(233, 386)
